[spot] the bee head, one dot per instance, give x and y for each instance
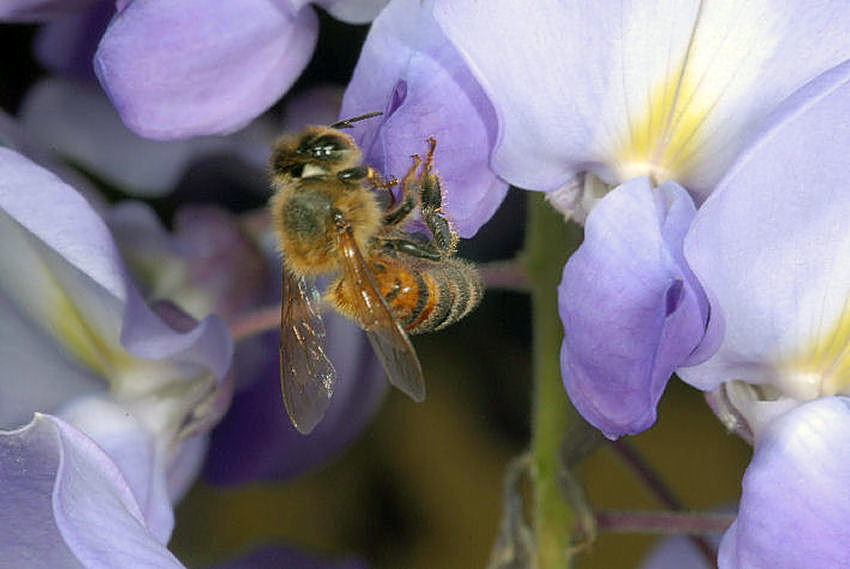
(314, 152)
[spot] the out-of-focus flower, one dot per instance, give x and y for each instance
(175, 70)
(409, 70)
(256, 439)
(770, 246)
(75, 120)
(66, 504)
(79, 342)
(668, 91)
(208, 265)
(190, 68)
(40, 10)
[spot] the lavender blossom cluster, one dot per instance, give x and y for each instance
(702, 145)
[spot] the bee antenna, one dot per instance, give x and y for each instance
(347, 123)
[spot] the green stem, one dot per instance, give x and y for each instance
(549, 243)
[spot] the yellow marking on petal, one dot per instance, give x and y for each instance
(822, 368)
(665, 139)
(80, 339)
(697, 100)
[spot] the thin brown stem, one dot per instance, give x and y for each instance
(692, 523)
(255, 322)
(505, 275)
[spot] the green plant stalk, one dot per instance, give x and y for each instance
(549, 242)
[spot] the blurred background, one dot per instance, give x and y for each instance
(421, 486)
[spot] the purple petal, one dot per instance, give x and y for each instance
(14, 137)
(39, 10)
(37, 375)
(275, 557)
(771, 245)
(63, 278)
(632, 311)
(181, 69)
(209, 265)
(256, 440)
(223, 260)
(576, 85)
(81, 253)
(795, 504)
(408, 70)
(133, 449)
(66, 505)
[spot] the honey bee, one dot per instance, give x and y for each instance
(329, 221)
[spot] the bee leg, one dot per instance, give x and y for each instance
(371, 175)
(409, 187)
(420, 249)
(431, 202)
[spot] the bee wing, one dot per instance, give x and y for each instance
(307, 376)
(388, 338)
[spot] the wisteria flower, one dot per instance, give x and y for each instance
(410, 71)
(66, 504)
(79, 342)
(664, 91)
(182, 69)
(208, 265)
(770, 246)
(175, 70)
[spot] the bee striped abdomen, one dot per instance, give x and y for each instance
(430, 298)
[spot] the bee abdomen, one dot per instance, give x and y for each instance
(454, 289)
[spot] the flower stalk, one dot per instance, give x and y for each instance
(549, 242)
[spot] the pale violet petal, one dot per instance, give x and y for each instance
(632, 310)
(408, 70)
(67, 504)
(61, 271)
(598, 86)
(676, 552)
(189, 68)
(795, 506)
(771, 248)
(135, 451)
